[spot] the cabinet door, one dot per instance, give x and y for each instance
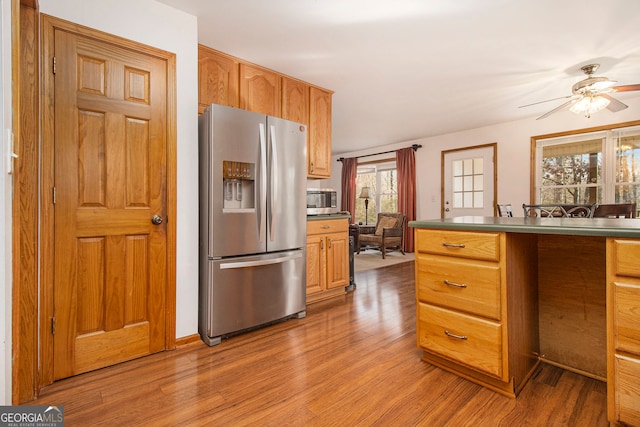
(319, 158)
(295, 101)
(217, 79)
(316, 265)
(260, 90)
(337, 260)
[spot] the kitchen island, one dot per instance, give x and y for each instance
(496, 296)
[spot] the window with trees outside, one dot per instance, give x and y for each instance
(587, 168)
(382, 180)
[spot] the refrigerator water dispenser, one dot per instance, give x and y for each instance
(238, 180)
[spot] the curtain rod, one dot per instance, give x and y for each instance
(414, 146)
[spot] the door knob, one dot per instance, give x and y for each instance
(156, 219)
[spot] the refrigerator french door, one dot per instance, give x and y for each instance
(252, 221)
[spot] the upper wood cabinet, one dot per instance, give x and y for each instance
(260, 90)
(295, 100)
(319, 149)
(226, 80)
(217, 79)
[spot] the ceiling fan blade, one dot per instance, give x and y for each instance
(614, 104)
(548, 100)
(560, 107)
(627, 88)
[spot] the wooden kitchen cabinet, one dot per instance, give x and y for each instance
(327, 258)
(463, 322)
(295, 101)
(260, 90)
(217, 79)
(623, 330)
(319, 149)
(226, 80)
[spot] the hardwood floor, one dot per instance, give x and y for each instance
(352, 361)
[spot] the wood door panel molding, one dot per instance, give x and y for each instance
(94, 350)
(92, 102)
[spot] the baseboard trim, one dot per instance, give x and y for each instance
(189, 339)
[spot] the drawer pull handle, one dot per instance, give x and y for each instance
(325, 227)
(453, 245)
(458, 337)
(456, 285)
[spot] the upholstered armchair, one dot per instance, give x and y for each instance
(387, 235)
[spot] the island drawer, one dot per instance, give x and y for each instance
(472, 341)
(463, 244)
(625, 318)
(627, 390)
(463, 285)
(627, 256)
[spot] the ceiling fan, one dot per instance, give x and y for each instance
(591, 95)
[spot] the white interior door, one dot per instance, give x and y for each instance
(469, 177)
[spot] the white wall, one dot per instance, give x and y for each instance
(5, 205)
(163, 27)
(514, 145)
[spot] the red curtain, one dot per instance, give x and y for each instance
(349, 173)
(406, 167)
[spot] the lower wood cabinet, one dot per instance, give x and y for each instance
(623, 330)
(327, 258)
(468, 320)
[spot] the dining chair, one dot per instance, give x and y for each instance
(559, 210)
(615, 210)
(505, 210)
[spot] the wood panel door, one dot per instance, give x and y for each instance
(110, 174)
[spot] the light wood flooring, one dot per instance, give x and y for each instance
(352, 361)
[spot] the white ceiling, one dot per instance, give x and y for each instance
(406, 69)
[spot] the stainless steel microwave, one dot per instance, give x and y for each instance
(321, 201)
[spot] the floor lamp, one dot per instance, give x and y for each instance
(364, 194)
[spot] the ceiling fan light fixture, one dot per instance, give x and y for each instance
(604, 85)
(589, 105)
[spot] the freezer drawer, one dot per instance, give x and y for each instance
(244, 292)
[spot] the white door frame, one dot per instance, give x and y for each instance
(490, 185)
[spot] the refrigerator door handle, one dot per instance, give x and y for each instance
(244, 264)
(273, 200)
(263, 180)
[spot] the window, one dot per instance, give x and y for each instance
(468, 183)
(594, 167)
(382, 180)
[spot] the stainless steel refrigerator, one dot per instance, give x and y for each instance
(252, 221)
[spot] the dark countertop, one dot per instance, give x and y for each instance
(605, 227)
(328, 216)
